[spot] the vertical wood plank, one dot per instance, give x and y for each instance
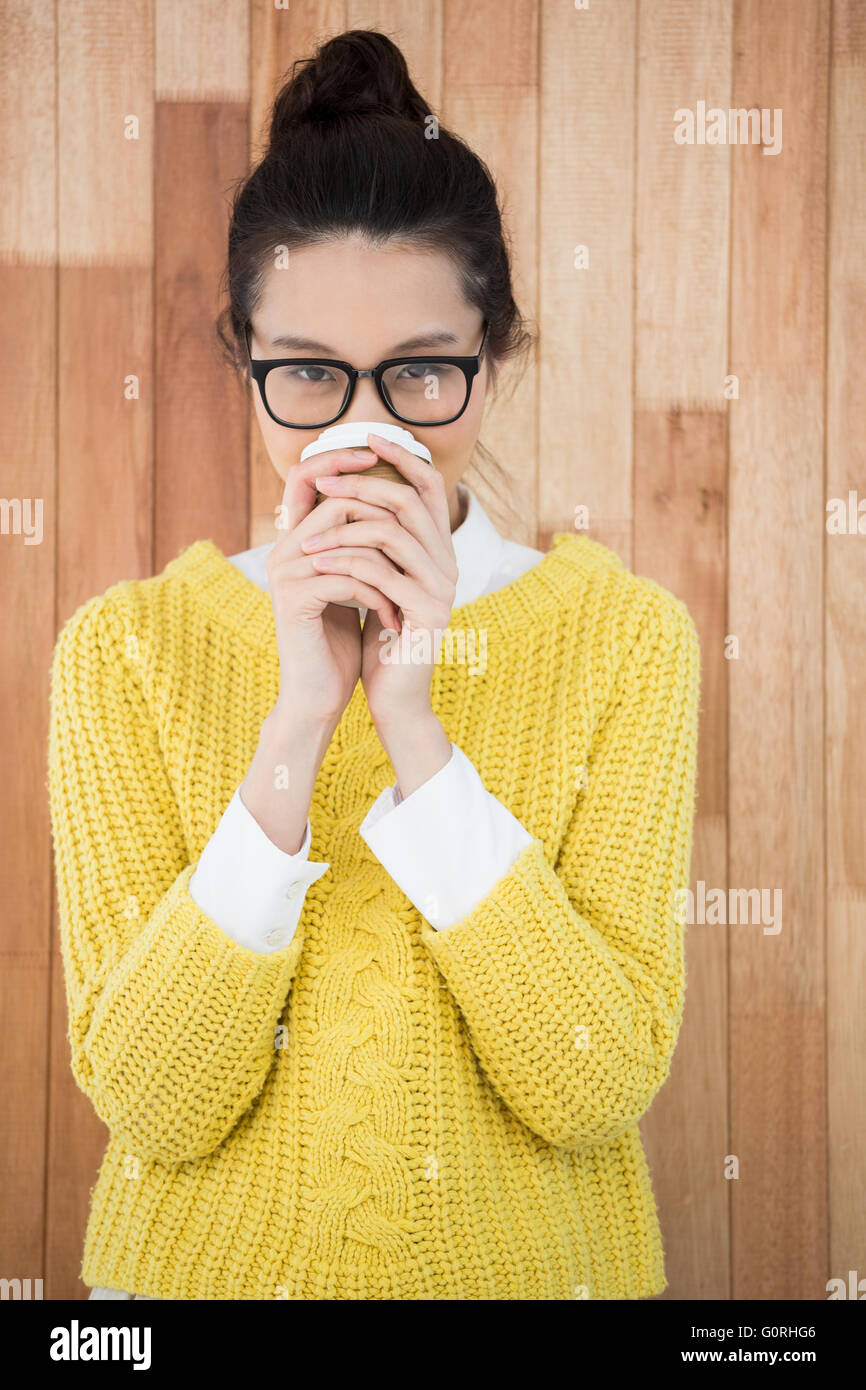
(202, 51)
(105, 125)
(683, 200)
(28, 392)
(778, 1120)
(680, 484)
(845, 685)
(202, 438)
(586, 200)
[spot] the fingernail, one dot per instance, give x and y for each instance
(312, 540)
(363, 453)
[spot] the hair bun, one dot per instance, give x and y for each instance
(358, 73)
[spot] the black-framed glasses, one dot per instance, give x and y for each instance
(307, 393)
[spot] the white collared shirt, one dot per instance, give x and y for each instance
(445, 845)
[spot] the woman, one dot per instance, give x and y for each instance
(413, 1065)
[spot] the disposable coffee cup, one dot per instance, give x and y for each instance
(353, 435)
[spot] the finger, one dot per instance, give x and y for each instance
(423, 475)
(384, 533)
(403, 501)
(299, 489)
(299, 569)
(376, 570)
(336, 511)
(336, 588)
(290, 567)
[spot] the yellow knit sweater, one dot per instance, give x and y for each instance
(381, 1110)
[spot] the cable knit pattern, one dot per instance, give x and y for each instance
(380, 1110)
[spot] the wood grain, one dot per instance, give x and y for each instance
(202, 436)
(777, 1017)
(585, 199)
(845, 678)
(28, 416)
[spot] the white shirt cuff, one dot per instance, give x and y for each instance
(251, 888)
(446, 844)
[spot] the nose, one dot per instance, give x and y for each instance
(366, 403)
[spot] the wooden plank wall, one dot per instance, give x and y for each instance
(697, 385)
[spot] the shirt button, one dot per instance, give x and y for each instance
(294, 890)
(277, 937)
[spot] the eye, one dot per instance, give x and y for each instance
(298, 373)
(416, 371)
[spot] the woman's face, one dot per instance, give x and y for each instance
(360, 304)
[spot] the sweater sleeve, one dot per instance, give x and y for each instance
(171, 1022)
(570, 975)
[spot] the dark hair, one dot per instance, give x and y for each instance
(354, 148)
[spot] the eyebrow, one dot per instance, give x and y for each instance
(435, 338)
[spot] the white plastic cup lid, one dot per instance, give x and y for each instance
(352, 434)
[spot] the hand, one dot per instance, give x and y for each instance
(319, 641)
(409, 557)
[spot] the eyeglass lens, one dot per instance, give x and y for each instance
(312, 393)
